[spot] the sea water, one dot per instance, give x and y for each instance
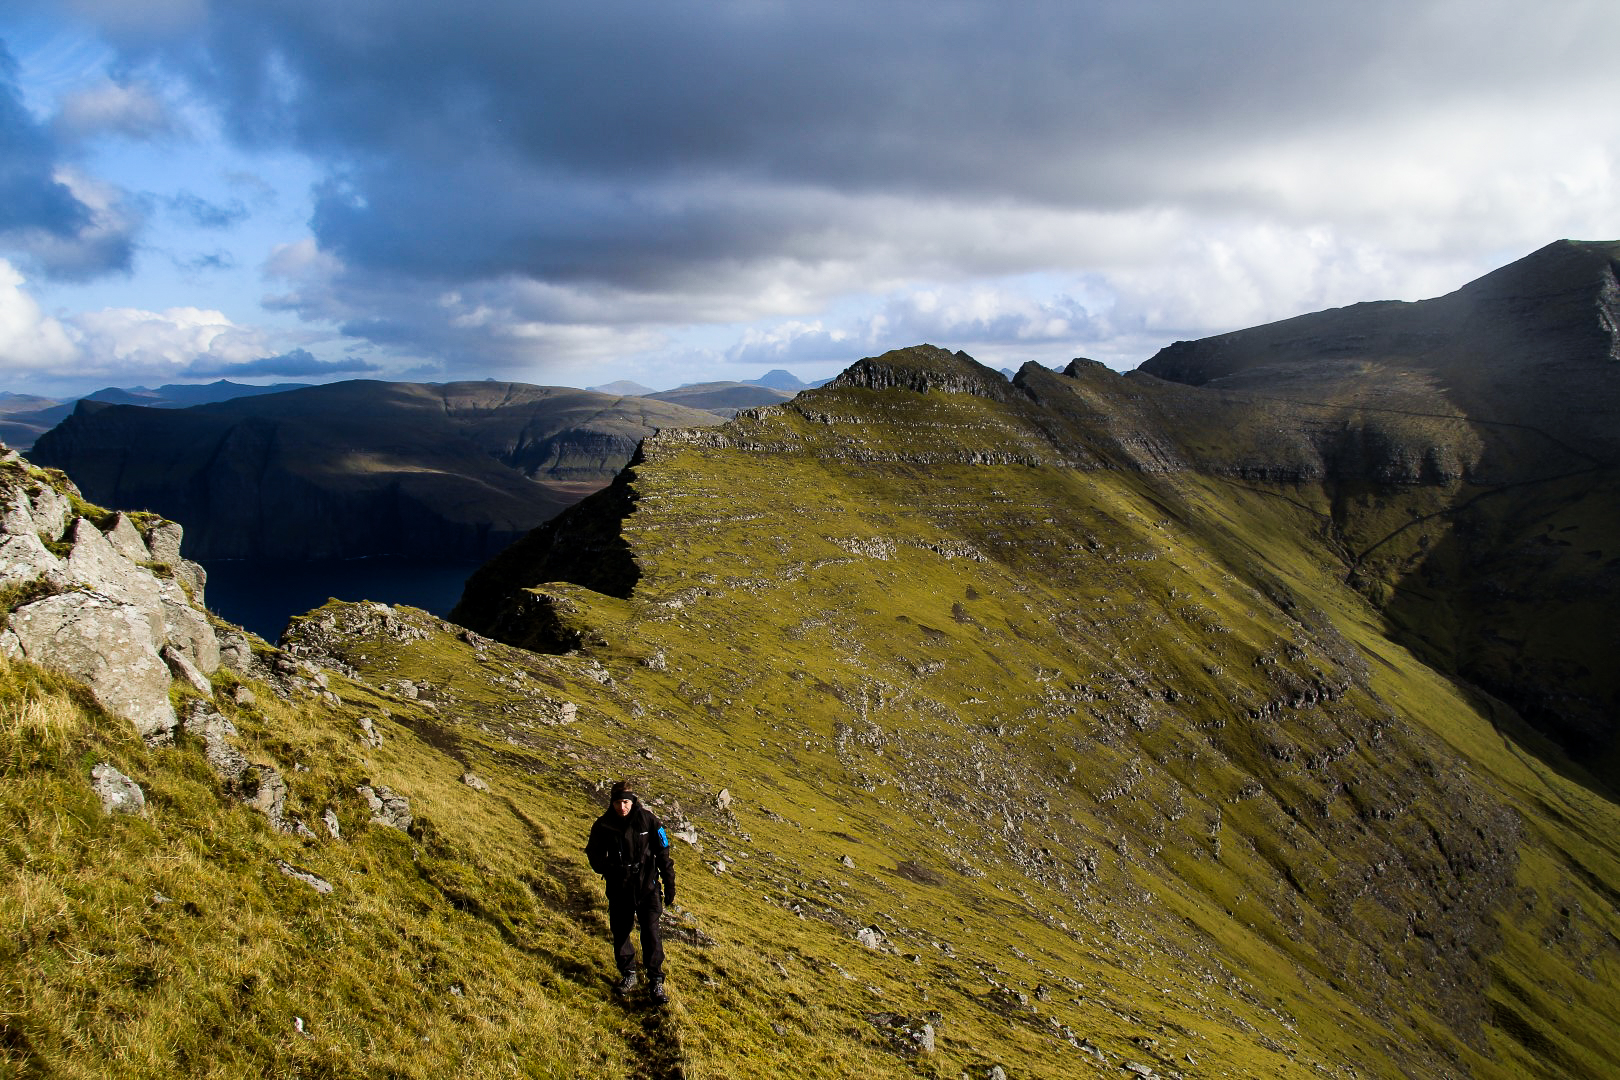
(262, 596)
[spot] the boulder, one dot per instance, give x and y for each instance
(216, 731)
(264, 789)
(164, 543)
(125, 539)
(387, 808)
(314, 881)
(236, 653)
(107, 645)
(42, 511)
(104, 566)
(118, 793)
(183, 668)
(25, 558)
(95, 563)
(188, 629)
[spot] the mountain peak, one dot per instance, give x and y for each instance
(922, 368)
(780, 379)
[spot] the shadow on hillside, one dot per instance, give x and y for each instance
(1520, 628)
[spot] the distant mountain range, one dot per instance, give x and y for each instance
(449, 471)
(25, 417)
(725, 398)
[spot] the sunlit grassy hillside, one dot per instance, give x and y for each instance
(982, 751)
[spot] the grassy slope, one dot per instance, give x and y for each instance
(1123, 774)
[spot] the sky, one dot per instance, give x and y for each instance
(697, 190)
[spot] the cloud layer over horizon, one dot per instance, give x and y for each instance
(556, 192)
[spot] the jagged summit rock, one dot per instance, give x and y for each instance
(923, 368)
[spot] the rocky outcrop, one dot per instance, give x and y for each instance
(105, 644)
(923, 368)
(96, 602)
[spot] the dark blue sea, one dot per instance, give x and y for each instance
(262, 596)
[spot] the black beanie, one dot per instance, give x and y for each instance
(624, 789)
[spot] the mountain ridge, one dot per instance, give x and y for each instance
(1132, 559)
(340, 470)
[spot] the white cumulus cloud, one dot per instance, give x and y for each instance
(30, 340)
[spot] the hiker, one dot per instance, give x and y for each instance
(630, 849)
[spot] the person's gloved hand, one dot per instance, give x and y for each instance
(669, 894)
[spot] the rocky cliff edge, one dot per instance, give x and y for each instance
(105, 598)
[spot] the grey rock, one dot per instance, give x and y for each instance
(259, 786)
(368, 733)
(723, 799)
(108, 646)
(474, 781)
(164, 543)
(264, 789)
(387, 808)
(183, 668)
(126, 540)
(93, 562)
(319, 884)
(43, 511)
(25, 558)
(97, 562)
(216, 731)
(329, 818)
(188, 629)
(118, 793)
(236, 654)
(870, 936)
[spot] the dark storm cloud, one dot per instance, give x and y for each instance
(31, 198)
(508, 176)
(609, 140)
(298, 362)
(66, 231)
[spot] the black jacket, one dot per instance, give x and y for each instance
(631, 852)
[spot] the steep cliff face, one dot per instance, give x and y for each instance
(1470, 450)
(454, 471)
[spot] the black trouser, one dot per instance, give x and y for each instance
(628, 907)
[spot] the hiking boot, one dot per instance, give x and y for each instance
(626, 984)
(659, 997)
